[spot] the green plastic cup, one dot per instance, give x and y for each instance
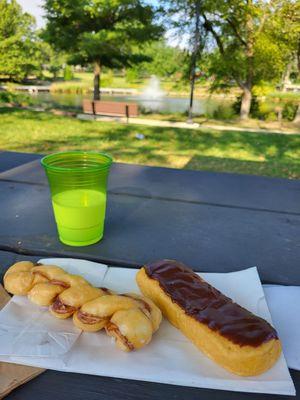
(78, 182)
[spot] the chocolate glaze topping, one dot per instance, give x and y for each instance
(207, 305)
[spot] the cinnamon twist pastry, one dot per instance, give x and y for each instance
(42, 283)
(21, 277)
(129, 318)
(70, 300)
(133, 329)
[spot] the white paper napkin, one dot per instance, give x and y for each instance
(284, 305)
(170, 357)
(28, 330)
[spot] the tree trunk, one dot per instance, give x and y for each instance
(190, 112)
(296, 120)
(298, 59)
(249, 52)
(194, 59)
(97, 72)
(286, 76)
(246, 103)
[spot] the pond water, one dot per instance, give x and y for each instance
(162, 104)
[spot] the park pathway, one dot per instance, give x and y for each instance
(182, 125)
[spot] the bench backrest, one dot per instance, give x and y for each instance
(87, 106)
(110, 108)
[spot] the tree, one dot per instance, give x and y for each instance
(19, 44)
(247, 37)
(101, 32)
(186, 20)
(165, 61)
(284, 28)
(53, 61)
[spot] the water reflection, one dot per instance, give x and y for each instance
(161, 104)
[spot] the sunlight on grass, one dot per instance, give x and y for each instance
(240, 152)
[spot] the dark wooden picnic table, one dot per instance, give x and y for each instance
(211, 221)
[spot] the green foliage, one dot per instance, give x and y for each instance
(263, 89)
(255, 41)
(268, 62)
(254, 110)
(284, 29)
(6, 97)
(165, 60)
(20, 48)
(132, 75)
(224, 113)
(108, 78)
(265, 111)
(68, 73)
(100, 31)
(17, 99)
(269, 55)
(54, 61)
(289, 111)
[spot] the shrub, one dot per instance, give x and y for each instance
(271, 116)
(264, 89)
(107, 79)
(254, 106)
(5, 97)
(265, 111)
(289, 111)
(223, 112)
(132, 75)
(18, 99)
(68, 73)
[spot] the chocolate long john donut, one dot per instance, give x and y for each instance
(228, 333)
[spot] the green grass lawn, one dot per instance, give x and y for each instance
(211, 150)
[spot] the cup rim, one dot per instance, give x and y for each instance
(45, 159)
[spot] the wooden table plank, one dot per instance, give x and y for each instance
(208, 238)
(66, 386)
(244, 191)
(11, 159)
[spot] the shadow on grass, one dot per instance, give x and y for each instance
(230, 165)
(230, 151)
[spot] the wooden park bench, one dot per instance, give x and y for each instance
(110, 108)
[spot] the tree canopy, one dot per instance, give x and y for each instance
(20, 47)
(253, 42)
(163, 60)
(105, 33)
(184, 18)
